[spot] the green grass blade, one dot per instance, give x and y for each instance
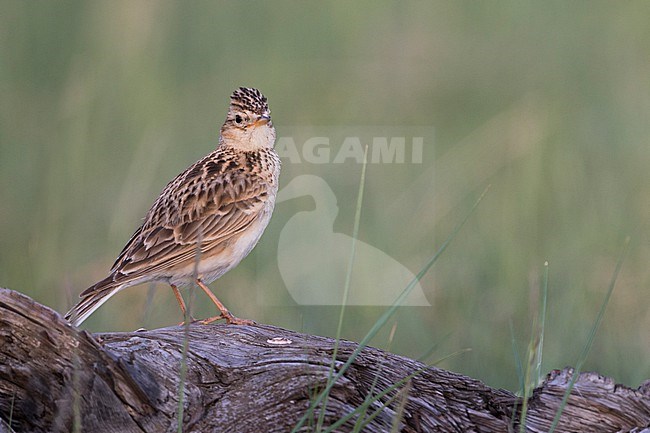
(519, 368)
(530, 379)
(389, 312)
(361, 421)
(528, 388)
(11, 410)
(542, 327)
(403, 396)
(591, 337)
(368, 402)
(348, 278)
(353, 247)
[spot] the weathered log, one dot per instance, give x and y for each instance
(55, 378)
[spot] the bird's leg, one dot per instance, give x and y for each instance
(225, 314)
(181, 303)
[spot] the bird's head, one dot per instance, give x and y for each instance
(248, 125)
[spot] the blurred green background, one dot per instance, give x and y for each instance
(102, 103)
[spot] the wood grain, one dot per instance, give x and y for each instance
(259, 378)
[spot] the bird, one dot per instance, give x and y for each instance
(207, 219)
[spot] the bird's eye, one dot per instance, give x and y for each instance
(238, 119)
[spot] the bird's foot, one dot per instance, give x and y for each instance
(237, 321)
(230, 320)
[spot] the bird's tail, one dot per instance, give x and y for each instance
(91, 299)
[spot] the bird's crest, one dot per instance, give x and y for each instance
(249, 99)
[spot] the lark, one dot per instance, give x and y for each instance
(207, 219)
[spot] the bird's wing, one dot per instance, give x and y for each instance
(197, 212)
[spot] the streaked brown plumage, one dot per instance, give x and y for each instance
(208, 218)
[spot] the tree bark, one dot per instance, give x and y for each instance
(56, 378)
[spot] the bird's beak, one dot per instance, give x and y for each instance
(263, 120)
